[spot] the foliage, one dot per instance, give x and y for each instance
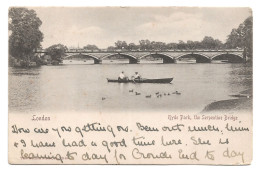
(158, 45)
(56, 52)
(145, 44)
(181, 45)
(121, 44)
(132, 46)
(111, 48)
(91, 47)
(211, 43)
(242, 37)
(207, 43)
(171, 46)
(25, 36)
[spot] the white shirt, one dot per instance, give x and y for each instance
(121, 75)
(137, 76)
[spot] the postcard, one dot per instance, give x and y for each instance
(130, 85)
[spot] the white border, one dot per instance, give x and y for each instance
(204, 3)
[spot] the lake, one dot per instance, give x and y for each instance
(75, 87)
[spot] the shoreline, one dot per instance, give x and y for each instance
(243, 102)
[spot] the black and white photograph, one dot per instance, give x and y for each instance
(130, 85)
(130, 58)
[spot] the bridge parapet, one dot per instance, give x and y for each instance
(95, 55)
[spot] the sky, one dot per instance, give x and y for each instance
(103, 26)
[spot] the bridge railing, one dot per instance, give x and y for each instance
(148, 51)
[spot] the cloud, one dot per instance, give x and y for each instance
(177, 26)
(104, 26)
(93, 30)
(74, 36)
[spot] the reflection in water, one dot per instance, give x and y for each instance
(85, 88)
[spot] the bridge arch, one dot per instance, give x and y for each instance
(123, 54)
(87, 55)
(96, 59)
(200, 58)
(166, 58)
(132, 59)
(232, 58)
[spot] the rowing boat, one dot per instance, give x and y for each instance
(143, 80)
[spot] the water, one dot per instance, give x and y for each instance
(82, 87)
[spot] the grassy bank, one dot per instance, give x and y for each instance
(244, 102)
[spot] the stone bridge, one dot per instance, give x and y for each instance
(201, 56)
(167, 56)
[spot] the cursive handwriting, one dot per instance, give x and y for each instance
(232, 154)
(203, 128)
(139, 155)
(146, 128)
(199, 141)
(138, 141)
(42, 144)
(171, 142)
(94, 156)
(236, 129)
(41, 156)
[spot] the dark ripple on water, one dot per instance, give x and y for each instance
(20, 74)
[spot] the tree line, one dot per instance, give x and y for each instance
(207, 43)
(25, 38)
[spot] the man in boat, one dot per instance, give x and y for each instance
(122, 77)
(136, 76)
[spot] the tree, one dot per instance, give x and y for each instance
(56, 52)
(208, 42)
(158, 45)
(145, 44)
(91, 47)
(248, 37)
(242, 37)
(211, 43)
(111, 48)
(25, 36)
(121, 45)
(171, 46)
(181, 45)
(218, 44)
(197, 45)
(234, 40)
(132, 46)
(190, 44)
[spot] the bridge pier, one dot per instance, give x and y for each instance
(169, 61)
(134, 61)
(97, 61)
